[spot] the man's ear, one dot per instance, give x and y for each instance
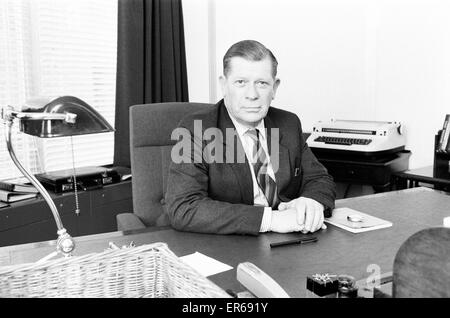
(275, 87)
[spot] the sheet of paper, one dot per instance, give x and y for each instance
(205, 265)
(367, 223)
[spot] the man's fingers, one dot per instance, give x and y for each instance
(300, 206)
(317, 222)
(309, 214)
(285, 221)
(309, 218)
(318, 217)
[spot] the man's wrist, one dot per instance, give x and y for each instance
(266, 220)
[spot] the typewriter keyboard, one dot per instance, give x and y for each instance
(343, 141)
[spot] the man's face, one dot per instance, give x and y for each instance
(249, 89)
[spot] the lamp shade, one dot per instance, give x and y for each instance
(88, 120)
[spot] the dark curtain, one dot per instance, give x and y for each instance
(151, 62)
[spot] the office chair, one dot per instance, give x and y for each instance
(422, 265)
(151, 126)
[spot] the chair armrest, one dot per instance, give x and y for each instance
(128, 221)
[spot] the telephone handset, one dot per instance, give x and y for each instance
(258, 282)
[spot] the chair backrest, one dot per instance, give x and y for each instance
(151, 127)
(422, 265)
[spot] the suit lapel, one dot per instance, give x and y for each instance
(238, 163)
(279, 154)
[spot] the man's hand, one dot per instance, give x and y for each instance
(309, 213)
(285, 221)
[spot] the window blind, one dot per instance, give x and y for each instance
(56, 48)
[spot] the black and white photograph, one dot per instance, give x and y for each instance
(230, 155)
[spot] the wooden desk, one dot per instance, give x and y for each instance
(337, 251)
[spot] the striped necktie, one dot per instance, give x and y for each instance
(260, 163)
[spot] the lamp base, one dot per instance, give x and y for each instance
(65, 242)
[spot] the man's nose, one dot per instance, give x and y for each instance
(252, 92)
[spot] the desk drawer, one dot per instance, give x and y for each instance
(111, 193)
(42, 230)
(35, 210)
(376, 176)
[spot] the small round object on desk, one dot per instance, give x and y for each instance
(446, 222)
(355, 218)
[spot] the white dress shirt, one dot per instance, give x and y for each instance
(248, 144)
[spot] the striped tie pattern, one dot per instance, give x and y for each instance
(260, 162)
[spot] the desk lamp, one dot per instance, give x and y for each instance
(63, 116)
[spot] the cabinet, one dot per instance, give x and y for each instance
(374, 172)
(437, 176)
(441, 164)
(364, 171)
(32, 221)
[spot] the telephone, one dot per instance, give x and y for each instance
(258, 282)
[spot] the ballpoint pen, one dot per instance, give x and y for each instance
(295, 241)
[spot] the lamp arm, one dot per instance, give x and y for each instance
(65, 242)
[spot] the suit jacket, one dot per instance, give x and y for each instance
(209, 196)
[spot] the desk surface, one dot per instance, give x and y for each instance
(337, 251)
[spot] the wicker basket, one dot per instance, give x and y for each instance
(151, 270)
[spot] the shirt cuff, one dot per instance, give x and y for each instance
(266, 220)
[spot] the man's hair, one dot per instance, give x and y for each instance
(250, 50)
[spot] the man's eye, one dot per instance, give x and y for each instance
(262, 84)
(240, 82)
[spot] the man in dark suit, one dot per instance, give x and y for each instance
(243, 166)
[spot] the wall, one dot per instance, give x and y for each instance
(355, 59)
(196, 28)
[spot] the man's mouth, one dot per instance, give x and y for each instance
(252, 109)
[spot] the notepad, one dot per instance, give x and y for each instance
(205, 265)
(367, 222)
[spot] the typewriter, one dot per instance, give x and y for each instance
(355, 137)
